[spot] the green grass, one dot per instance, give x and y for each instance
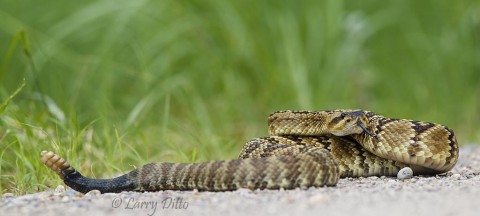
(114, 84)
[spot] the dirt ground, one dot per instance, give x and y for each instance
(454, 193)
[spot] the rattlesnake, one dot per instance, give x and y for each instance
(304, 149)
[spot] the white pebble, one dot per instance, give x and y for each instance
(316, 199)
(60, 190)
(244, 191)
(93, 193)
(405, 173)
(456, 176)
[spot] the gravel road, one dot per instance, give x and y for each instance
(454, 193)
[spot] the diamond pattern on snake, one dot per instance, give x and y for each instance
(304, 149)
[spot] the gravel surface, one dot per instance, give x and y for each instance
(453, 193)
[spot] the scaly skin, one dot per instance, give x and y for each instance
(304, 149)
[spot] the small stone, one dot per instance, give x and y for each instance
(391, 181)
(456, 176)
(65, 199)
(448, 174)
(71, 193)
(93, 193)
(8, 195)
(45, 195)
(59, 191)
(405, 173)
(316, 199)
(244, 191)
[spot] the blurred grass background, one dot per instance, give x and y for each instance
(113, 84)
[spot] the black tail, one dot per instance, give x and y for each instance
(76, 181)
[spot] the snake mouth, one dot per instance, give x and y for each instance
(365, 129)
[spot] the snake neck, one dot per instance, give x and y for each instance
(303, 123)
(318, 123)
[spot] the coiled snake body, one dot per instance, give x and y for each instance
(304, 149)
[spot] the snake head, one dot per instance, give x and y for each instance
(350, 122)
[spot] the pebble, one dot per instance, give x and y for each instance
(71, 193)
(60, 190)
(456, 176)
(405, 173)
(93, 193)
(244, 191)
(8, 195)
(45, 195)
(318, 198)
